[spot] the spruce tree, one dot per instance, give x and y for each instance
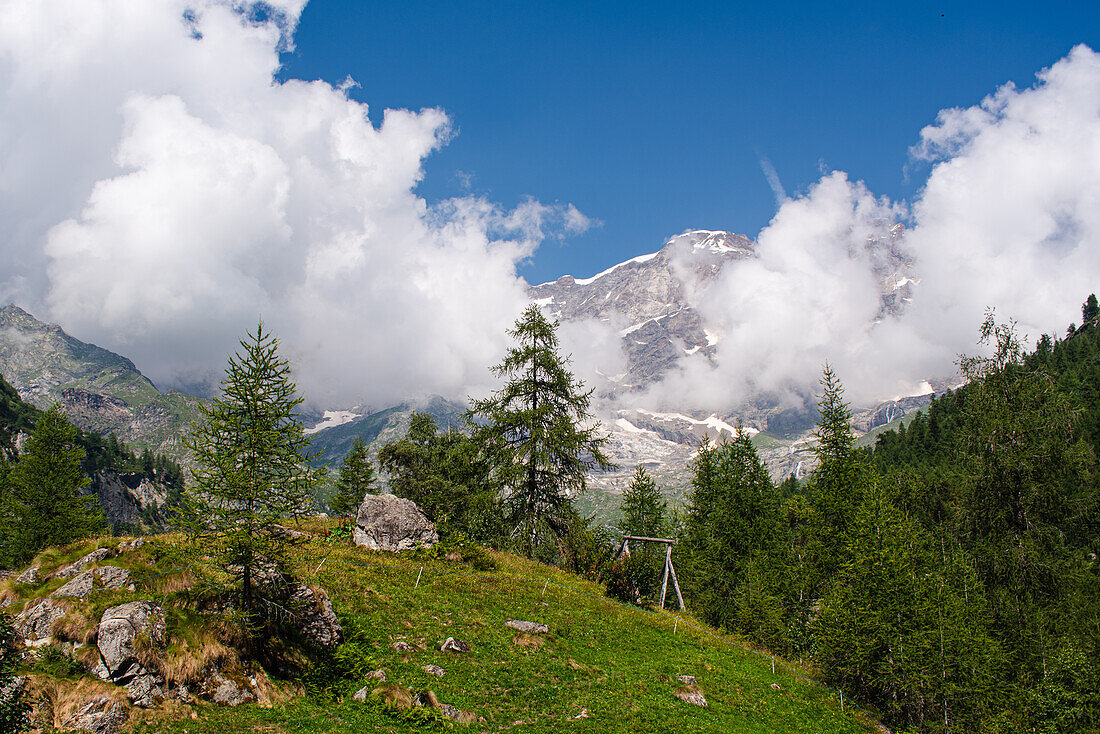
(40, 501)
(539, 434)
(355, 480)
(250, 471)
(643, 510)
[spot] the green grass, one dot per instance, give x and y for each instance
(617, 663)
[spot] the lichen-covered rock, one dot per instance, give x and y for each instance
(131, 545)
(434, 670)
(318, 622)
(101, 715)
(35, 622)
(392, 524)
(74, 568)
(120, 663)
(531, 628)
(230, 692)
(104, 577)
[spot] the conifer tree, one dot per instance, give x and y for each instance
(250, 471)
(643, 510)
(355, 480)
(538, 433)
(41, 502)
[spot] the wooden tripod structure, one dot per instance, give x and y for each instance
(669, 569)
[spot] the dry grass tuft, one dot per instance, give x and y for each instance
(395, 695)
(525, 640)
(190, 664)
(7, 596)
(57, 700)
(76, 627)
(173, 582)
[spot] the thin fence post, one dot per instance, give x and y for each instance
(543, 592)
(675, 625)
(418, 577)
(773, 664)
(842, 701)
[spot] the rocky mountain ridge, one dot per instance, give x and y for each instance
(97, 389)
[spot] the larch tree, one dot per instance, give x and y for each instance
(250, 471)
(538, 433)
(41, 502)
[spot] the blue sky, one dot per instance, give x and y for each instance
(652, 117)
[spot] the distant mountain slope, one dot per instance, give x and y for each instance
(99, 390)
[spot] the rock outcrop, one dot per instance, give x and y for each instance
(74, 568)
(35, 622)
(317, 618)
(393, 524)
(131, 645)
(104, 577)
(101, 715)
(129, 499)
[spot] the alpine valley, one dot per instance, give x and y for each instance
(650, 302)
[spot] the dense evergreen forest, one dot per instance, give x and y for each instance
(946, 576)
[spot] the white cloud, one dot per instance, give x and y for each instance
(1009, 218)
(163, 191)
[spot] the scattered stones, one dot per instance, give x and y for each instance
(74, 568)
(120, 663)
(691, 694)
(104, 577)
(30, 576)
(435, 670)
(362, 693)
(454, 645)
(531, 628)
(131, 545)
(35, 623)
(687, 680)
(319, 624)
(582, 715)
(402, 646)
(776, 687)
(101, 715)
(378, 675)
(393, 524)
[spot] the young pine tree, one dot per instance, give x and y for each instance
(643, 510)
(356, 479)
(539, 434)
(41, 503)
(251, 471)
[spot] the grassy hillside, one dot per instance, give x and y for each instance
(600, 668)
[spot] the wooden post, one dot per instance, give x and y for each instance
(664, 578)
(675, 582)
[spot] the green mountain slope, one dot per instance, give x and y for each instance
(601, 667)
(99, 390)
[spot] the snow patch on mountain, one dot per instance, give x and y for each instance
(331, 419)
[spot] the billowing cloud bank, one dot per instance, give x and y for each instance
(1009, 218)
(161, 192)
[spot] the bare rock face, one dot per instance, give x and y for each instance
(120, 663)
(35, 623)
(230, 692)
(531, 628)
(104, 577)
(101, 715)
(30, 576)
(74, 568)
(127, 498)
(392, 524)
(319, 624)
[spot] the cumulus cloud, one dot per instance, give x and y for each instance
(163, 191)
(1009, 217)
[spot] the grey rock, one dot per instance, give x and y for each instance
(318, 622)
(691, 694)
(454, 645)
(74, 568)
(434, 670)
(393, 524)
(228, 692)
(531, 628)
(118, 628)
(129, 499)
(35, 622)
(402, 646)
(101, 715)
(11, 690)
(30, 576)
(687, 680)
(362, 693)
(131, 545)
(104, 577)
